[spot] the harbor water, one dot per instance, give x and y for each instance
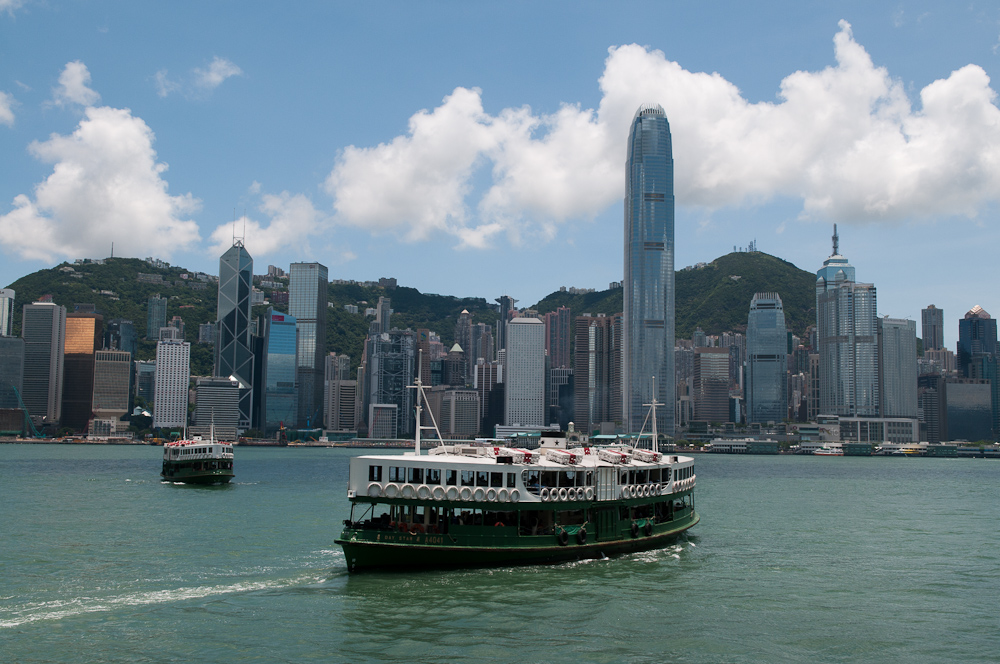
(835, 559)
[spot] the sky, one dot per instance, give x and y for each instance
(478, 149)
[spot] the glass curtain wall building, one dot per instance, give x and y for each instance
(6, 312)
(43, 328)
(281, 398)
(767, 356)
(897, 360)
(233, 354)
(847, 335)
(649, 270)
(307, 297)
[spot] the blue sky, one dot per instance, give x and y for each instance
(478, 148)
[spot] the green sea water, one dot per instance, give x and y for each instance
(796, 559)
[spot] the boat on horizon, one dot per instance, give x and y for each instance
(198, 461)
(829, 451)
(467, 505)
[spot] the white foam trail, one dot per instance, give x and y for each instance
(57, 610)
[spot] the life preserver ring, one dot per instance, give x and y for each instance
(491, 495)
(648, 528)
(634, 529)
(402, 527)
(438, 493)
(417, 528)
(503, 495)
(581, 536)
(544, 494)
(515, 496)
(563, 538)
(562, 494)
(589, 494)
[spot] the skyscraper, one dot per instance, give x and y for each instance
(43, 328)
(112, 380)
(507, 310)
(11, 371)
(84, 336)
(307, 298)
(557, 337)
(847, 336)
(597, 371)
(173, 375)
(280, 378)
(977, 354)
(932, 319)
(463, 337)
(767, 352)
(233, 354)
(897, 367)
(649, 270)
(524, 373)
(156, 316)
(6, 312)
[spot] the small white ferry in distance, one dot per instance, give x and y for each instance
(198, 461)
(479, 505)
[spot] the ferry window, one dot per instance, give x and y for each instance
(451, 477)
(567, 478)
(654, 475)
(641, 476)
(496, 480)
(374, 473)
(511, 480)
(415, 475)
(624, 477)
(531, 479)
(468, 478)
(397, 474)
(549, 478)
(434, 476)
(482, 478)
(589, 478)
(631, 477)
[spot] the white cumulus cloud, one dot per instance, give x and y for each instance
(74, 86)
(6, 109)
(218, 71)
(847, 141)
(105, 186)
(10, 5)
(291, 220)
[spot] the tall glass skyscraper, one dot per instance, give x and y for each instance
(932, 320)
(847, 335)
(307, 297)
(6, 312)
(649, 270)
(767, 354)
(233, 354)
(43, 328)
(281, 399)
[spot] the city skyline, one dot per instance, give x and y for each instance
(918, 72)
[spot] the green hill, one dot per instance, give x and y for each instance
(716, 296)
(114, 288)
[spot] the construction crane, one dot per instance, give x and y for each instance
(31, 425)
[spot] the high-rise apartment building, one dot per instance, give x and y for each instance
(847, 335)
(389, 371)
(597, 375)
(524, 373)
(897, 367)
(767, 359)
(383, 314)
(463, 337)
(649, 270)
(216, 406)
(488, 374)
(307, 298)
(173, 375)
(6, 312)
(233, 353)
(84, 337)
(156, 316)
(558, 325)
(43, 328)
(280, 377)
(932, 320)
(482, 344)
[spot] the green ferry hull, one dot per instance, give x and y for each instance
(388, 550)
(200, 477)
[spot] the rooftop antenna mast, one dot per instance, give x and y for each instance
(836, 241)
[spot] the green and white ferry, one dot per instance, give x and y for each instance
(198, 461)
(484, 505)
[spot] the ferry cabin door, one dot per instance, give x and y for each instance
(607, 489)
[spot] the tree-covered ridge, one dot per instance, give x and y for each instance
(716, 296)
